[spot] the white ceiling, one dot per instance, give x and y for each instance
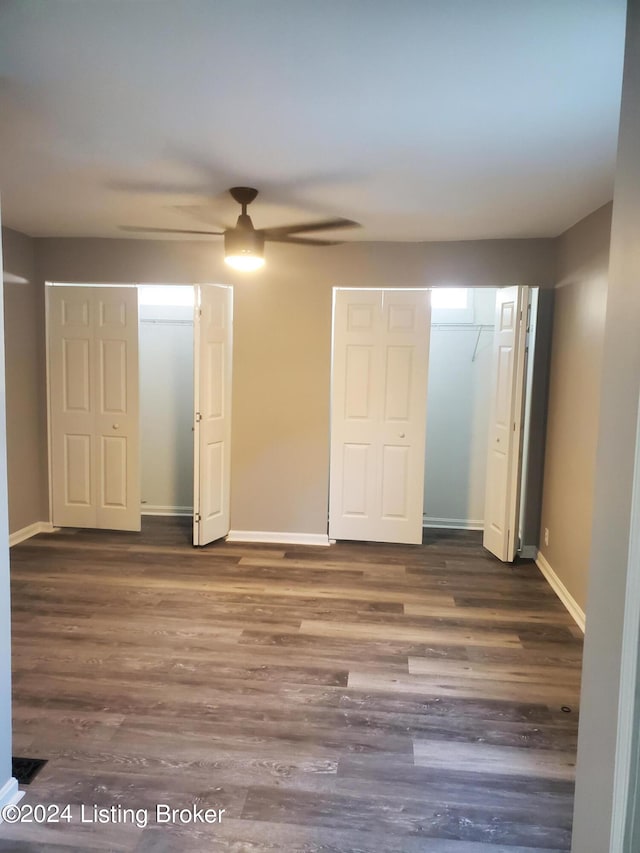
(420, 119)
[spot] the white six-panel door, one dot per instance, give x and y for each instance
(378, 414)
(212, 398)
(505, 423)
(93, 399)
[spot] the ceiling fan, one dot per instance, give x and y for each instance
(244, 244)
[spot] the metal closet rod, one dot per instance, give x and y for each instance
(462, 327)
(150, 322)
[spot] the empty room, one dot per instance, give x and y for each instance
(319, 521)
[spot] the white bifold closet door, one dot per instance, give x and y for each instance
(378, 414)
(505, 423)
(212, 423)
(93, 398)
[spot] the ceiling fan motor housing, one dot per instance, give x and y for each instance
(243, 239)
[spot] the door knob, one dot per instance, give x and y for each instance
(116, 426)
(401, 434)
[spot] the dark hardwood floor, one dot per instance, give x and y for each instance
(356, 698)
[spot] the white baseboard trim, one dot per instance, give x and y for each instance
(453, 523)
(150, 509)
(528, 552)
(267, 536)
(29, 531)
(561, 591)
(10, 794)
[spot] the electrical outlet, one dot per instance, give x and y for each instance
(546, 536)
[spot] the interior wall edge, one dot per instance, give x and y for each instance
(599, 806)
(572, 606)
(573, 393)
(25, 381)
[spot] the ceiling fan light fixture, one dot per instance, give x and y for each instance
(244, 263)
(244, 249)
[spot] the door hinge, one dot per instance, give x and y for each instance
(197, 518)
(514, 426)
(198, 417)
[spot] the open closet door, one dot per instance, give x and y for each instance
(378, 414)
(505, 423)
(212, 400)
(93, 400)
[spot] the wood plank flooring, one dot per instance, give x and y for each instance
(362, 698)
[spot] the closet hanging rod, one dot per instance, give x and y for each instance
(144, 320)
(462, 327)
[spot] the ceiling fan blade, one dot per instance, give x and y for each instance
(325, 225)
(139, 229)
(303, 241)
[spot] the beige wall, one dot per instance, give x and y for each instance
(614, 473)
(574, 399)
(25, 380)
(282, 330)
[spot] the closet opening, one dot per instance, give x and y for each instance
(139, 398)
(458, 405)
(165, 318)
(438, 410)
(487, 388)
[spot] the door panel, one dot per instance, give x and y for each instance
(398, 379)
(114, 472)
(71, 391)
(116, 338)
(93, 391)
(357, 399)
(76, 369)
(501, 497)
(406, 321)
(212, 429)
(113, 371)
(77, 468)
(395, 486)
(356, 486)
(379, 381)
(354, 461)
(215, 469)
